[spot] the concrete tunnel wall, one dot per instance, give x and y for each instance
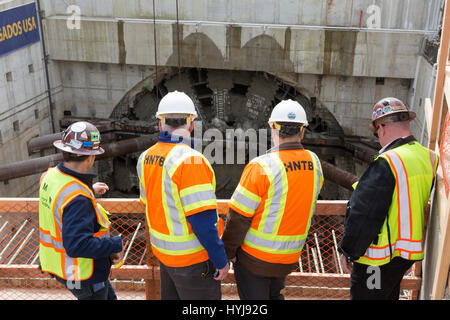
(398, 14)
(336, 52)
(94, 90)
(91, 70)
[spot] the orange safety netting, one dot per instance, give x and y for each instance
(445, 152)
(318, 276)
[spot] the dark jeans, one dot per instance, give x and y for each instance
(83, 291)
(194, 282)
(378, 283)
(253, 287)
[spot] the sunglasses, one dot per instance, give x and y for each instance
(375, 133)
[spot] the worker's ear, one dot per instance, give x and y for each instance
(275, 136)
(89, 161)
(302, 133)
(191, 126)
(159, 125)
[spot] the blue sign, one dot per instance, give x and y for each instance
(18, 28)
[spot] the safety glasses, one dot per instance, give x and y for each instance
(375, 133)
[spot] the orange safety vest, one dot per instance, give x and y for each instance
(278, 191)
(176, 181)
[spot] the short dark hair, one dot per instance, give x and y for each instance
(71, 157)
(176, 122)
(289, 129)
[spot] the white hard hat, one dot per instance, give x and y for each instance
(176, 103)
(289, 111)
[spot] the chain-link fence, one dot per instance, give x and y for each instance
(319, 275)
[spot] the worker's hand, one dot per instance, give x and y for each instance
(222, 273)
(116, 257)
(233, 260)
(346, 266)
(100, 188)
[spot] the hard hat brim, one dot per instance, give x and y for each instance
(162, 115)
(58, 144)
(271, 121)
(412, 116)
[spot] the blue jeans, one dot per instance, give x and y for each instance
(96, 291)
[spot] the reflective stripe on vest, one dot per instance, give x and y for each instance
(245, 200)
(405, 247)
(406, 212)
(266, 238)
(167, 245)
(66, 189)
(140, 172)
(404, 202)
(179, 241)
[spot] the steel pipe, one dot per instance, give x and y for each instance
(339, 176)
(38, 165)
(44, 142)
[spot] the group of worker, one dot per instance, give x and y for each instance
(269, 212)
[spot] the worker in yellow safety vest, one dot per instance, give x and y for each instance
(384, 223)
(74, 242)
(177, 186)
(271, 208)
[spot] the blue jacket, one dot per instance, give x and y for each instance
(79, 223)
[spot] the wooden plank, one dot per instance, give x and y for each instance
(325, 280)
(132, 272)
(440, 78)
(122, 205)
(33, 272)
(8, 205)
(428, 110)
(443, 260)
(131, 205)
(22, 271)
(331, 207)
(447, 85)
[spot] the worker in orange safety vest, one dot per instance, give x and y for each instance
(271, 208)
(177, 186)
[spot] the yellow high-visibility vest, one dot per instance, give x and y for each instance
(57, 189)
(414, 168)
